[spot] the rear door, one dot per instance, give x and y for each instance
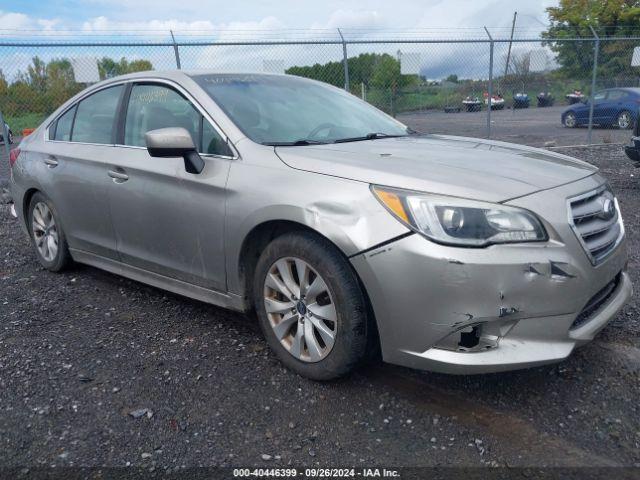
(166, 220)
(601, 107)
(79, 143)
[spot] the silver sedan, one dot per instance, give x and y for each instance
(346, 232)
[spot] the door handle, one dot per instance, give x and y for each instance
(118, 177)
(51, 162)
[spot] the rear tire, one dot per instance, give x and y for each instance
(299, 328)
(47, 236)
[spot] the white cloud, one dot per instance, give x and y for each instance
(352, 19)
(16, 21)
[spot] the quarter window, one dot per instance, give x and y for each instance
(63, 125)
(95, 117)
(212, 142)
(156, 106)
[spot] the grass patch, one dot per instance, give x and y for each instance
(20, 122)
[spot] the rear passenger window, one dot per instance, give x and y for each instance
(63, 125)
(95, 117)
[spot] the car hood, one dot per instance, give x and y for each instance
(446, 165)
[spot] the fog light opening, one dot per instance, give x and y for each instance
(470, 339)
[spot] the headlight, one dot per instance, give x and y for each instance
(458, 221)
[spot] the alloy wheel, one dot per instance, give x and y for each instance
(45, 232)
(570, 120)
(300, 309)
(624, 120)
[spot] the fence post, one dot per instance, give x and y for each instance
(345, 61)
(175, 50)
(490, 86)
(596, 48)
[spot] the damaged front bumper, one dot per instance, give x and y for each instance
(505, 307)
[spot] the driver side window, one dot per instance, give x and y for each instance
(599, 96)
(156, 106)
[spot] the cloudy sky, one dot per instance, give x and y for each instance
(269, 19)
(91, 15)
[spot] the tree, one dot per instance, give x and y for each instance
(453, 78)
(609, 18)
(108, 67)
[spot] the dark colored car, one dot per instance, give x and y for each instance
(521, 100)
(611, 107)
(2, 134)
(633, 149)
(545, 99)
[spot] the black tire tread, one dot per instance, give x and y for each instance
(354, 329)
(63, 259)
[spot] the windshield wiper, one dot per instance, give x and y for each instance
(368, 136)
(297, 143)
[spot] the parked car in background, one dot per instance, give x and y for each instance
(10, 135)
(545, 99)
(472, 104)
(613, 107)
(345, 231)
(574, 97)
(497, 101)
(521, 100)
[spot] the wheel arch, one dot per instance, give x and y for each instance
(26, 200)
(261, 235)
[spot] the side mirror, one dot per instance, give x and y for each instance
(174, 142)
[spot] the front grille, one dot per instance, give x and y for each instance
(595, 218)
(597, 301)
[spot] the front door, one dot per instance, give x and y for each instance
(166, 220)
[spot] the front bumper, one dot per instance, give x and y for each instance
(519, 301)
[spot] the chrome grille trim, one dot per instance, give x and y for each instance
(598, 234)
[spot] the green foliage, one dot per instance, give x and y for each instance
(107, 67)
(380, 72)
(45, 86)
(28, 120)
(609, 18)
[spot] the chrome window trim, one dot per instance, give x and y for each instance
(595, 191)
(164, 81)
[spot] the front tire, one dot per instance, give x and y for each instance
(311, 307)
(624, 120)
(47, 236)
(10, 135)
(569, 120)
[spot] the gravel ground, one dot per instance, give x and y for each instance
(97, 370)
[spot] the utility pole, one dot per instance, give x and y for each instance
(513, 27)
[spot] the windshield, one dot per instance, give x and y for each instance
(288, 110)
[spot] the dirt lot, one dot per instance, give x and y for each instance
(99, 370)
(538, 127)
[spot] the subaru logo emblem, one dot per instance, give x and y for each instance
(608, 209)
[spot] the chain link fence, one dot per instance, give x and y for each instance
(538, 91)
